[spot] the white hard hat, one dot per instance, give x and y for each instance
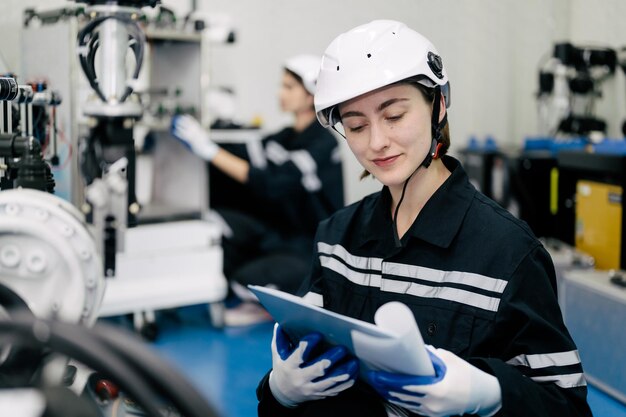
(307, 67)
(371, 56)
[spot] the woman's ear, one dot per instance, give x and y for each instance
(442, 107)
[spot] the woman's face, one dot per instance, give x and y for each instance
(293, 96)
(388, 130)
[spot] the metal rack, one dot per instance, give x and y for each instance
(173, 256)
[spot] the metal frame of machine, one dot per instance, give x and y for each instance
(147, 268)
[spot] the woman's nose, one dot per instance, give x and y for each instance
(378, 138)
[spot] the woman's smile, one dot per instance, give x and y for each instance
(386, 161)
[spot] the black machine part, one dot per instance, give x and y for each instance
(118, 355)
(582, 58)
(8, 89)
(26, 167)
(128, 3)
(106, 143)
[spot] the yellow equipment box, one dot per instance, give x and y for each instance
(599, 222)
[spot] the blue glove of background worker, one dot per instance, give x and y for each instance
(191, 133)
(457, 388)
(298, 375)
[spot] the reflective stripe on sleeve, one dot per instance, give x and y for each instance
(307, 166)
(563, 381)
(544, 360)
(556, 359)
(255, 152)
(276, 153)
(301, 159)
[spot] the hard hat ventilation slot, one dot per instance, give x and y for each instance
(337, 67)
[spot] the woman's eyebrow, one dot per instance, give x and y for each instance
(351, 114)
(389, 102)
(382, 106)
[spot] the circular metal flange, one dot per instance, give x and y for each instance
(48, 257)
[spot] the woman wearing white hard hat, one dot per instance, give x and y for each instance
(479, 285)
(293, 184)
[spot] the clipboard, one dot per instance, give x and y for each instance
(393, 344)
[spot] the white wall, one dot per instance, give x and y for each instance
(491, 49)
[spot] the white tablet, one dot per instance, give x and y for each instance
(393, 344)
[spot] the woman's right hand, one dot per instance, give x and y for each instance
(189, 131)
(297, 376)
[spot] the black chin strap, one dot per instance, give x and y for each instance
(396, 236)
(436, 127)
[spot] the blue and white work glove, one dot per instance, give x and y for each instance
(189, 131)
(457, 388)
(297, 377)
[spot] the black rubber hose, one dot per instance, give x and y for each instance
(79, 343)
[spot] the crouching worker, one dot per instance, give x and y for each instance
(480, 285)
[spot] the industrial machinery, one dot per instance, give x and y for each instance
(50, 268)
(594, 309)
(490, 170)
(517, 179)
(53, 360)
(621, 58)
(21, 160)
(49, 261)
(569, 86)
(590, 206)
(144, 193)
(566, 258)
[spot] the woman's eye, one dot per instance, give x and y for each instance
(395, 117)
(355, 128)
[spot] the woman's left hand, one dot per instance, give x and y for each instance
(456, 388)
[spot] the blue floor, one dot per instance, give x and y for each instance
(226, 365)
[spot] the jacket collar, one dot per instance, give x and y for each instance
(438, 222)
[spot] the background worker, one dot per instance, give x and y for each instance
(297, 184)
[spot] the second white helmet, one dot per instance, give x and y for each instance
(307, 67)
(371, 56)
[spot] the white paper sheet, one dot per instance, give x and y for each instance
(404, 352)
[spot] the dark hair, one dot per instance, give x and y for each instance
(429, 96)
(299, 79)
(294, 75)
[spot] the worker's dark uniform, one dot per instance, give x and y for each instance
(294, 182)
(478, 282)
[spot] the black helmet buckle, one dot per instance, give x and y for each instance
(435, 64)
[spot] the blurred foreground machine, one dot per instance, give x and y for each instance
(54, 361)
(49, 262)
(144, 193)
